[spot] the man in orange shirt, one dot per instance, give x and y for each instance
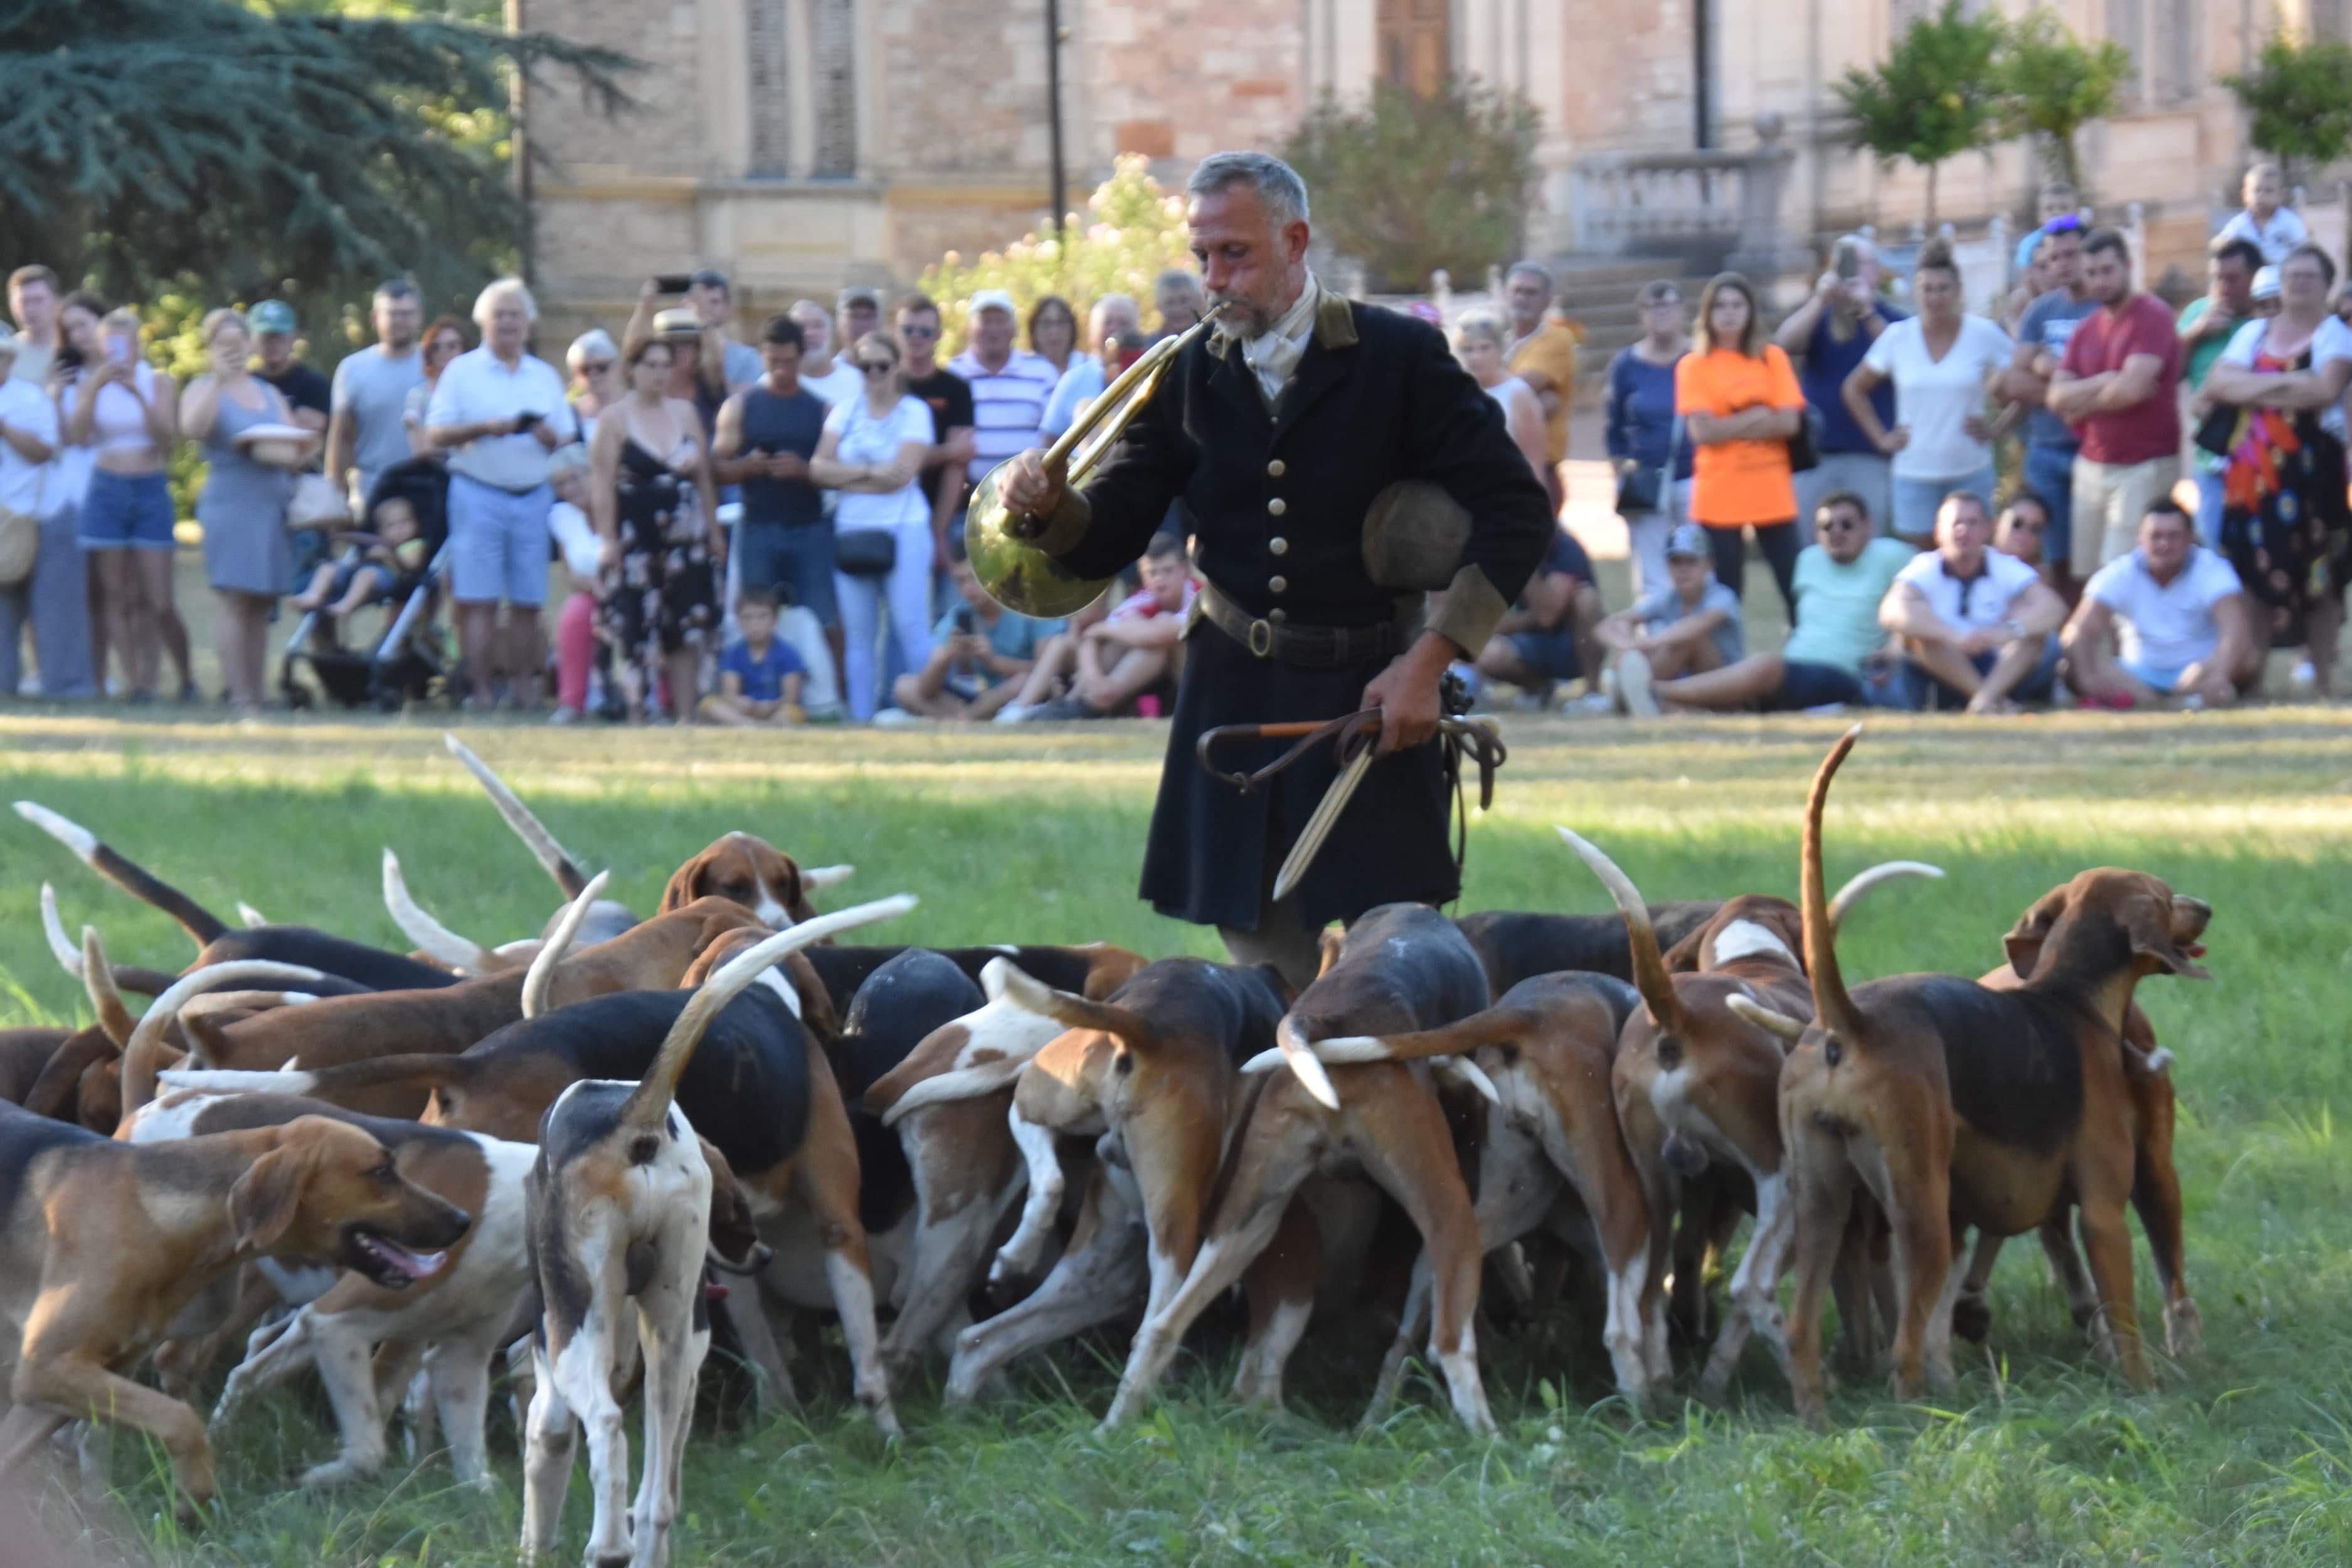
(1542, 353)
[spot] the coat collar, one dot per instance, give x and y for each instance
(1335, 322)
(1323, 366)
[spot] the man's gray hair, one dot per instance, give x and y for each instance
(1277, 185)
(1095, 312)
(595, 341)
(487, 302)
(1533, 269)
(1183, 277)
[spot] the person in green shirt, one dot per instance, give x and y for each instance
(1840, 580)
(2207, 323)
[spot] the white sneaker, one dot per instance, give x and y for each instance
(895, 718)
(1593, 703)
(1013, 712)
(2305, 675)
(30, 686)
(1633, 685)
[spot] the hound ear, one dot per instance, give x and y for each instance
(679, 892)
(2150, 925)
(264, 1202)
(1334, 939)
(1683, 957)
(2033, 929)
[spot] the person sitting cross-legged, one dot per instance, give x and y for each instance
(2178, 612)
(1690, 626)
(1548, 636)
(1840, 580)
(1976, 625)
(1100, 671)
(982, 653)
(759, 676)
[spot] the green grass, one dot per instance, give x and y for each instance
(2242, 1456)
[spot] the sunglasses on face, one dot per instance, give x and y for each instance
(2024, 527)
(913, 331)
(1837, 525)
(877, 366)
(597, 367)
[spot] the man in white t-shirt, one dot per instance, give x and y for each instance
(2178, 616)
(1974, 624)
(499, 412)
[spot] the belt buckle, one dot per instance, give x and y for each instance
(1260, 639)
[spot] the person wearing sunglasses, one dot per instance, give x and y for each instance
(2042, 334)
(1828, 659)
(2023, 523)
(872, 452)
(591, 360)
(1976, 625)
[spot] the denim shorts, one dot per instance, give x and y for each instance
(126, 512)
(2157, 678)
(797, 558)
(1804, 684)
(498, 544)
(1922, 692)
(1917, 501)
(1551, 654)
(2049, 473)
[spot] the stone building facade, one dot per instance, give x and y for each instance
(804, 144)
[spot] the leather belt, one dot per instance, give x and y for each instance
(1302, 647)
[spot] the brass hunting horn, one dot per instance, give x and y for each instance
(1015, 573)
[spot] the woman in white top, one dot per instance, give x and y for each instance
(1940, 362)
(125, 414)
(872, 453)
(1478, 343)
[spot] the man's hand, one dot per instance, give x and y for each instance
(787, 466)
(1895, 440)
(1026, 487)
(1406, 693)
(1984, 639)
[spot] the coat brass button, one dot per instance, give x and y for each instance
(1277, 617)
(1276, 507)
(1276, 585)
(1280, 546)
(1273, 469)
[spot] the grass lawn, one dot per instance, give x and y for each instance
(2242, 1456)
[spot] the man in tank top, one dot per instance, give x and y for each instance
(766, 435)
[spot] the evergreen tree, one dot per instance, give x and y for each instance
(235, 150)
(1937, 96)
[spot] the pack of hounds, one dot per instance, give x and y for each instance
(581, 1153)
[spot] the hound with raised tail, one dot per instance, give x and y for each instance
(1401, 968)
(101, 1244)
(1696, 1084)
(620, 1208)
(1955, 1106)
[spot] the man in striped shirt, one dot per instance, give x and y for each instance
(1009, 385)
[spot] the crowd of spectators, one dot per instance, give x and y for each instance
(1956, 511)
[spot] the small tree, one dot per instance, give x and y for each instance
(2056, 85)
(2297, 98)
(1407, 183)
(1131, 231)
(1937, 96)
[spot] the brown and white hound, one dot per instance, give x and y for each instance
(1954, 1106)
(101, 1244)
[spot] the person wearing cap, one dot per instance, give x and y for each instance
(1977, 626)
(2265, 293)
(1835, 653)
(1687, 627)
(713, 364)
(499, 412)
(2051, 443)
(1280, 430)
(365, 433)
(1010, 384)
(29, 439)
(308, 393)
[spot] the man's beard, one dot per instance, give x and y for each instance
(1243, 318)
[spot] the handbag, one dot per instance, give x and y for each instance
(1804, 447)
(316, 503)
(20, 541)
(2217, 433)
(864, 551)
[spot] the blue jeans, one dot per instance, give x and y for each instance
(1916, 500)
(2210, 502)
(794, 557)
(2049, 473)
(1922, 692)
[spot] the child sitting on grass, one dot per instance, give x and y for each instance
(393, 553)
(758, 676)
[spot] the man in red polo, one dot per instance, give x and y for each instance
(2120, 385)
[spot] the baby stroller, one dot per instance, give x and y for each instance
(405, 663)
